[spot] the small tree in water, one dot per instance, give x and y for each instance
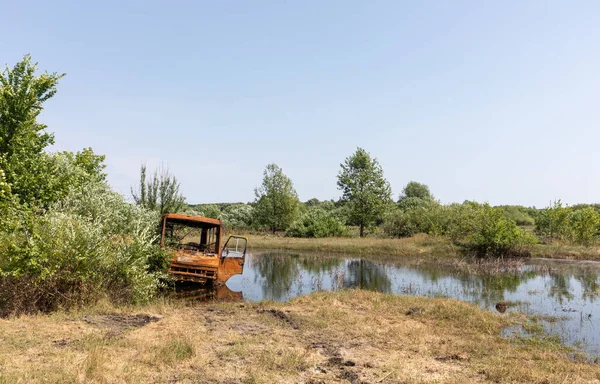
(277, 204)
(365, 190)
(160, 193)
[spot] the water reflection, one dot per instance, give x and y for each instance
(565, 290)
(365, 274)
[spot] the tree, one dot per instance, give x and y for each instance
(416, 190)
(277, 204)
(22, 138)
(160, 193)
(365, 190)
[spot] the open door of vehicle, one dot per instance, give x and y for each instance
(233, 256)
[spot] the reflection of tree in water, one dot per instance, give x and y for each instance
(482, 287)
(318, 264)
(277, 272)
(560, 287)
(589, 282)
(365, 274)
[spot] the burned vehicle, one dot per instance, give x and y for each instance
(199, 255)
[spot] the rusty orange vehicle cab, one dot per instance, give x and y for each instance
(198, 252)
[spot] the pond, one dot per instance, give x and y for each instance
(564, 294)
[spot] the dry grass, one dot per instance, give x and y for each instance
(419, 245)
(348, 336)
(567, 252)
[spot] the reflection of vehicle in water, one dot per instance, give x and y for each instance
(198, 257)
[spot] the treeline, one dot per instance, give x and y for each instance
(366, 208)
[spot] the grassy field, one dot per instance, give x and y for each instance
(342, 337)
(413, 246)
(419, 245)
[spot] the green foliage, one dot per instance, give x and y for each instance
(552, 222)
(238, 216)
(398, 223)
(317, 222)
(493, 234)
(584, 225)
(207, 210)
(277, 204)
(420, 216)
(160, 193)
(364, 189)
(520, 215)
(481, 228)
(65, 238)
(28, 169)
(416, 190)
(5, 190)
(90, 243)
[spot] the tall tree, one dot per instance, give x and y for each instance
(365, 190)
(22, 138)
(277, 204)
(160, 192)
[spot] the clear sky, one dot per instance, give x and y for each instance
(484, 100)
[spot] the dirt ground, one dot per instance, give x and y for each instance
(343, 337)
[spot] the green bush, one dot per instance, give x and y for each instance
(91, 243)
(584, 224)
(317, 222)
(491, 233)
(421, 217)
(237, 216)
(518, 214)
(552, 223)
(398, 223)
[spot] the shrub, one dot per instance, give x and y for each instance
(418, 216)
(399, 224)
(493, 234)
(518, 214)
(317, 222)
(553, 222)
(583, 225)
(237, 216)
(90, 243)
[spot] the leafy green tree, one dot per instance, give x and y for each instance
(416, 190)
(160, 192)
(364, 189)
(277, 204)
(22, 138)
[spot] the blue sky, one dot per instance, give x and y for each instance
(481, 100)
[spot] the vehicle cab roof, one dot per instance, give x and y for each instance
(193, 220)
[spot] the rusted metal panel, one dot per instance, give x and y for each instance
(190, 218)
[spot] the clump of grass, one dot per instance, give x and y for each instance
(176, 349)
(94, 364)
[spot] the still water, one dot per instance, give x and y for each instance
(567, 292)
